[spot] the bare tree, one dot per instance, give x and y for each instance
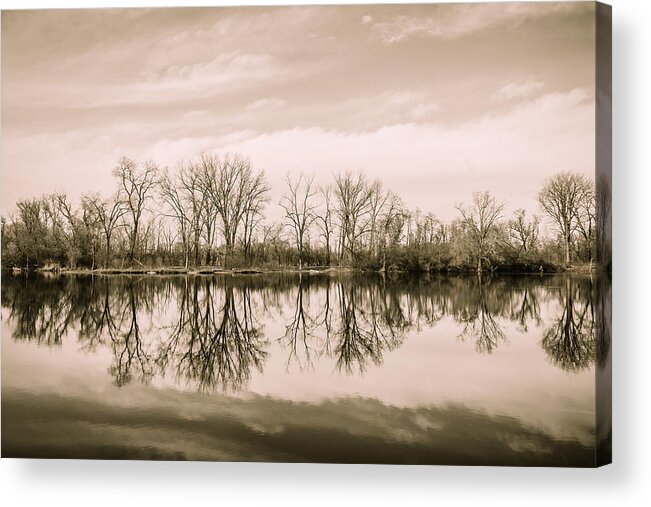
(65, 226)
(430, 229)
(480, 218)
(136, 186)
(272, 236)
(603, 203)
(237, 192)
(148, 235)
(353, 194)
(254, 203)
(107, 213)
(208, 221)
(561, 198)
(172, 195)
(523, 231)
(191, 188)
(377, 201)
(53, 218)
(585, 219)
(392, 226)
(325, 220)
(413, 233)
(189, 204)
(91, 227)
(31, 229)
(166, 238)
(300, 210)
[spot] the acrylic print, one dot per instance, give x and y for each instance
(340, 234)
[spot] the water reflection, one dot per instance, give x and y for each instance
(130, 346)
(480, 324)
(569, 341)
(267, 429)
(602, 312)
(216, 340)
(209, 331)
(365, 328)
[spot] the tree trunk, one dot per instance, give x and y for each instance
(328, 251)
(108, 251)
(134, 239)
(568, 240)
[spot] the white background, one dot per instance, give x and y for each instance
(626, 482)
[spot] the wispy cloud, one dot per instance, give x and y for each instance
(223, 73)
(421, 160)
(423, 110)
(266, 103)
(453, 21)
(518, 90)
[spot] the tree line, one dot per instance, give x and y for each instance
(210, 211)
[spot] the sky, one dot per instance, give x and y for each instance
(437, 101)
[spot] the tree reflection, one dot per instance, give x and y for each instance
(299, 330)
(130, 353)
(366, 327)
(216, 341)
(206, 331)
(569, 342)
(352, 322)
(603, 312)
(526, 310)
(42, 310)
(479, 323)
(97, 322)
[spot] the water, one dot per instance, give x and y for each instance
(317, 367)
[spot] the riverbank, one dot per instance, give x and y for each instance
(200, 270)
(579, 269)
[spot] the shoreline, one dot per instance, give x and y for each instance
(201, 270)
(584, 270)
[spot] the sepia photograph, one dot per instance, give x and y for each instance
(372, 234)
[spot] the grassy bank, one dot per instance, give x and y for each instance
(199, 270)
(582, 269)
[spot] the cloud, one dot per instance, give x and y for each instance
(452, 21)
(266, 104)
(372, 111)
(517, 90)
(224, 67)
(422, 110)
(430, 162)
(225, 72)
(510, 153)
(196, 115)
(165, 424)
(77, 95)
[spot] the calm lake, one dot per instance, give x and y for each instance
(308, 368)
